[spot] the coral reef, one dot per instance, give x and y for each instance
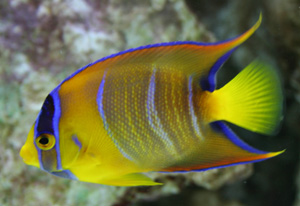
(42, 42)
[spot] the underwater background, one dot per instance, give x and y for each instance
(42, 42)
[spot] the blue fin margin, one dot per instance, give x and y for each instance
(221, 127)
(209, 83)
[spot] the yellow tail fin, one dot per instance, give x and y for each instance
(252, 100)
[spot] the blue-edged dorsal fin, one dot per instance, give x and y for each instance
(191, 58)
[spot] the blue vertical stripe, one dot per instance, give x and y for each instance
(55, 123)
(102, 114)
(153, 118)
(48, 122)
(100, 102)
(36, 134)
(192, 111)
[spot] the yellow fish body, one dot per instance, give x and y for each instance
(153, 108)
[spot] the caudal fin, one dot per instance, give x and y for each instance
(252, 100)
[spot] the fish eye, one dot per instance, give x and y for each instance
(45, 141)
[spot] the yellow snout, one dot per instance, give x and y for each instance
(28, 151)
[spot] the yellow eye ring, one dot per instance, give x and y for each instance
(45, 141)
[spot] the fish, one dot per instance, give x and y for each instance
(154, 108)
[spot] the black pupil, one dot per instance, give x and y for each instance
(44, 140)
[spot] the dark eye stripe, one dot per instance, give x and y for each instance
(45, 123)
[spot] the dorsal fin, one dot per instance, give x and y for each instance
(192, 58)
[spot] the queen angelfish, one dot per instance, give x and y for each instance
(154, 108)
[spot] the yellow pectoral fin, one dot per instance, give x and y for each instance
(135, 179)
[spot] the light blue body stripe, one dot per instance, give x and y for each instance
(153, 118)
(36, 133)
(102, 114)
(192, 111)
(55, 123)
(100, 104)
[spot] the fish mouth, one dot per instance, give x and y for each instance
(23, 154)
(28, 157)
(28, 151)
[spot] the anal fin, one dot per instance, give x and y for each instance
(220, 148)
